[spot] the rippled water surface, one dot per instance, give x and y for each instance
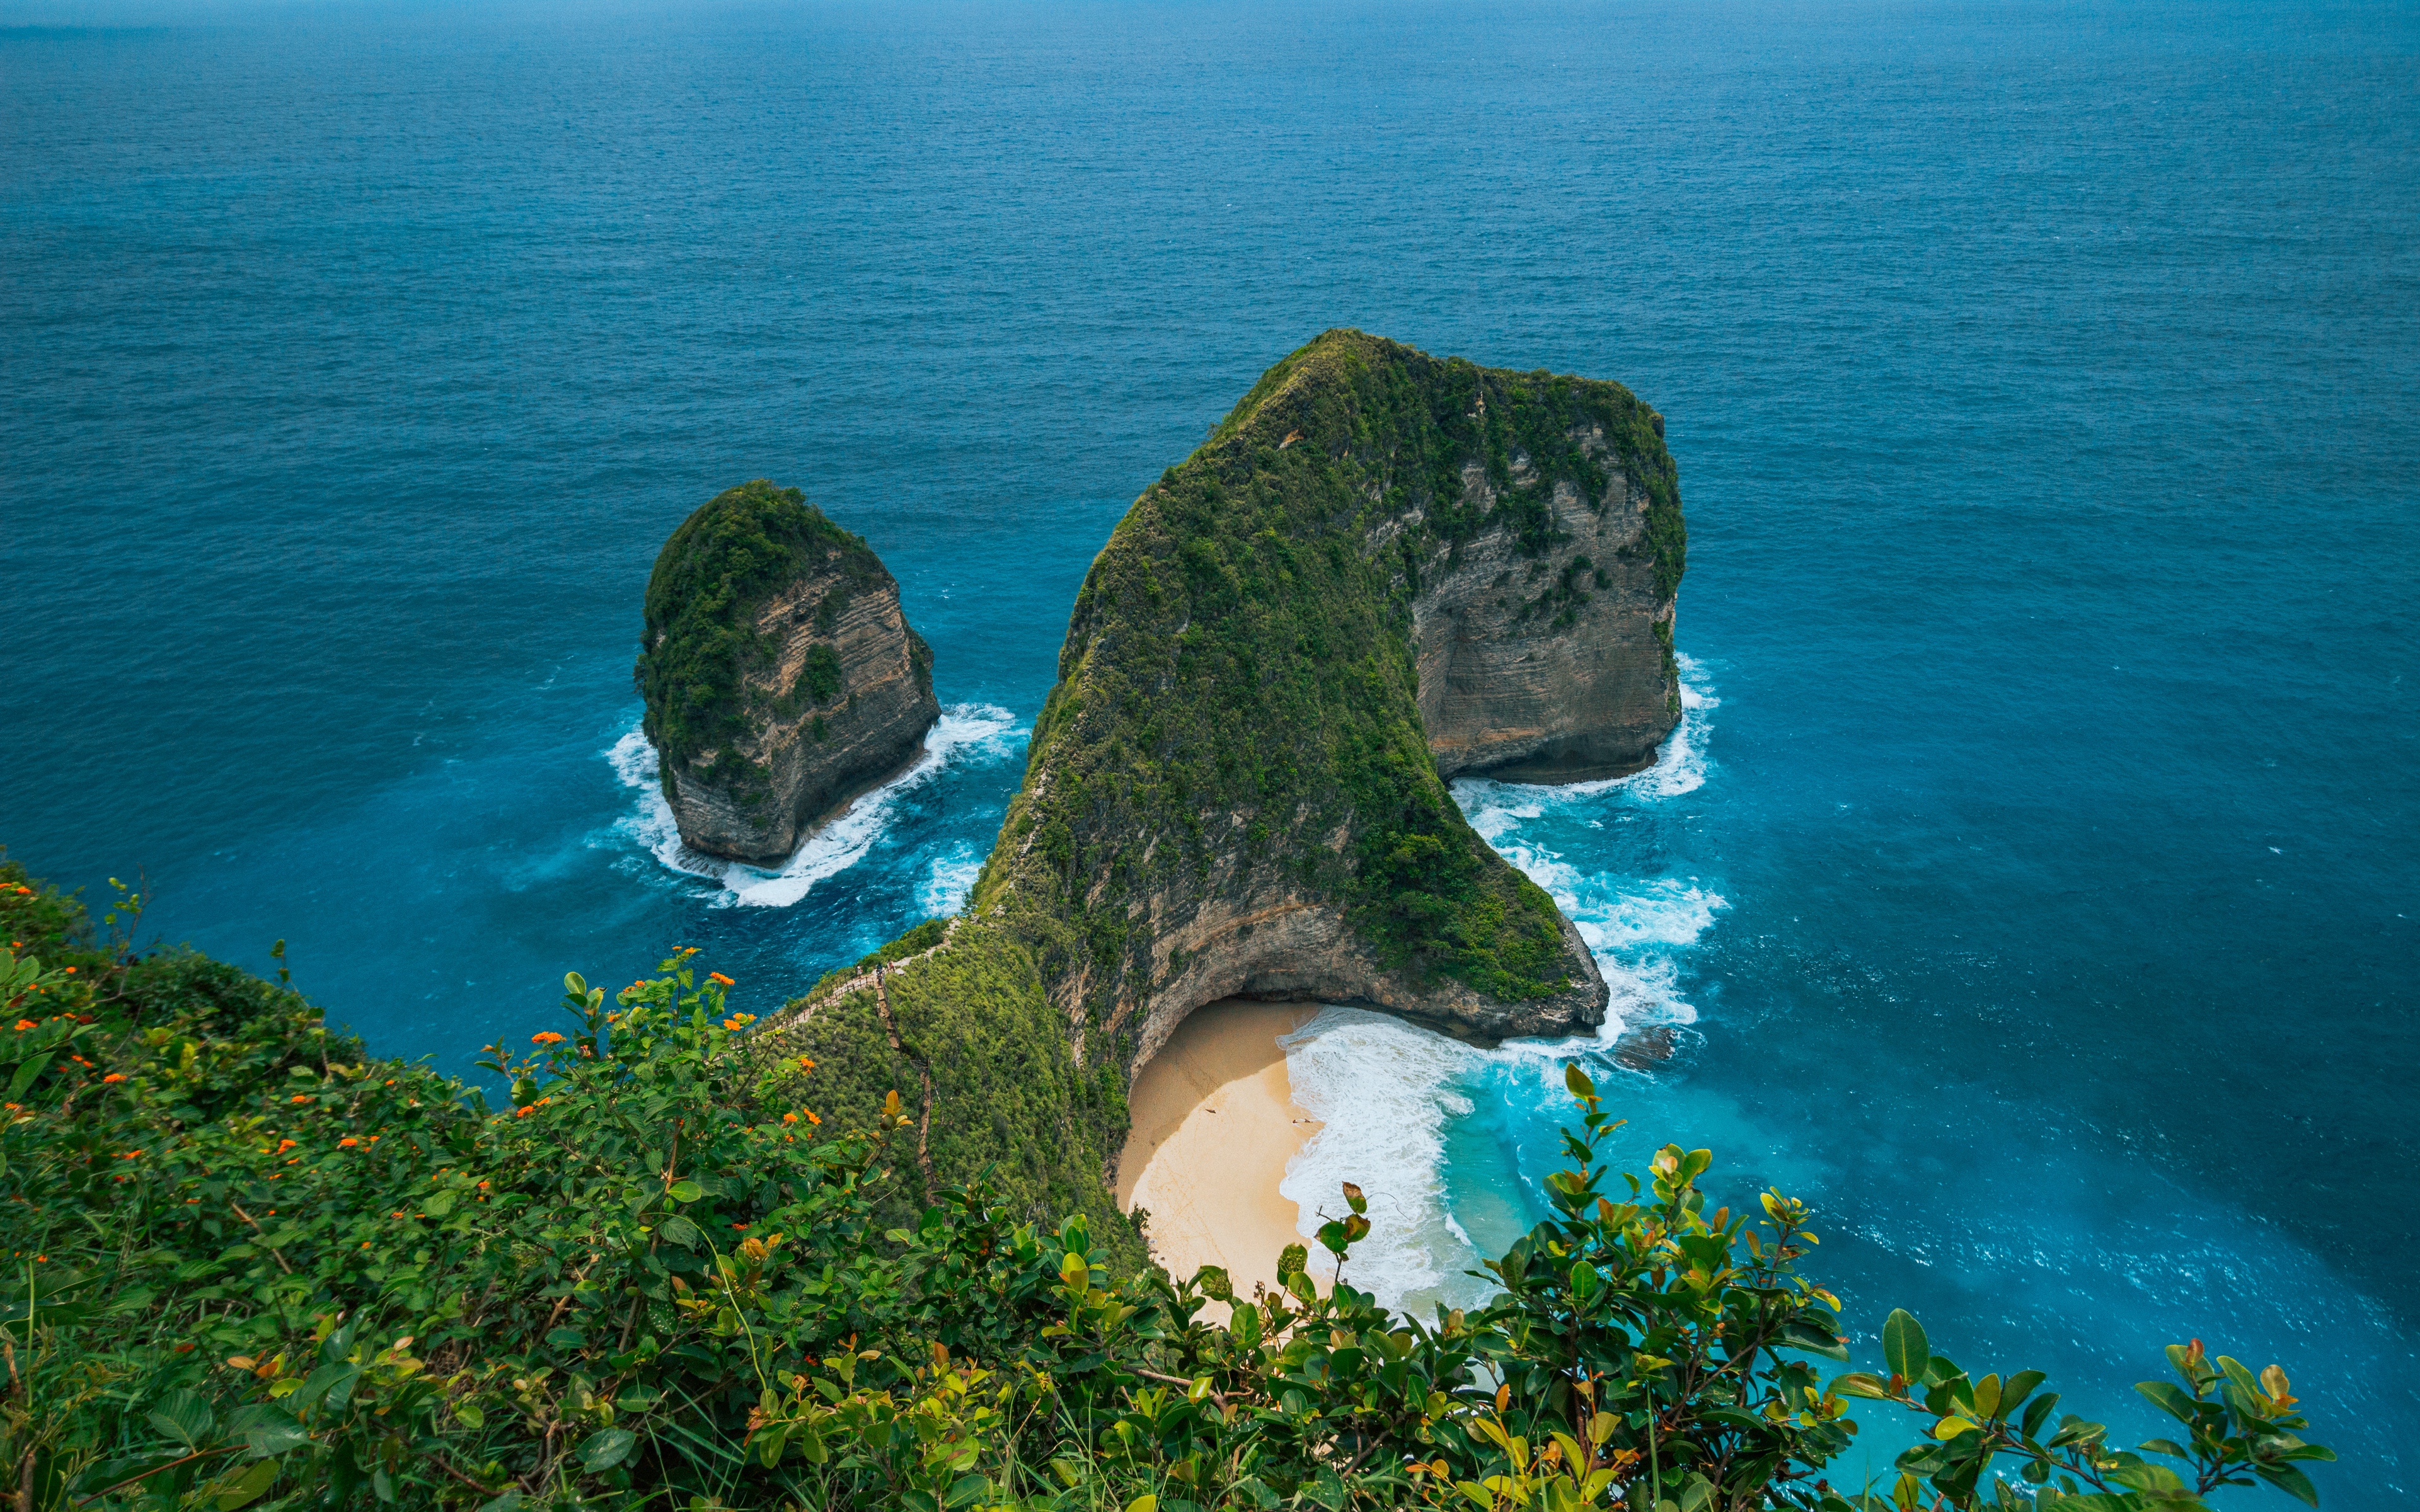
(2030, 884)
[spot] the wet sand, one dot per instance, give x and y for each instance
(1214, 1123)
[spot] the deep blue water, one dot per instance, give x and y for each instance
(2035, 877)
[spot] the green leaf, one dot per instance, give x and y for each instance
(2171, 1399)
(1859, 1383)
(2038, 1413)
(470, 1416)
(248, 1485)
(184, 1417)
(566, 1338)
(679, 1231)
(1585, 1281)
(607, 1447)
(1814, 1339)
(1904, 1344)
(2021, 1386)
(509, 1502)
(685, 1191)
(26, 1074)
(2289, 1480)
(272, 1432)
(2147, 1478)
(965, 1489)
(1143, 1504)
(1578, 1080)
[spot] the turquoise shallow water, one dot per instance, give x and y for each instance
(2032, 888)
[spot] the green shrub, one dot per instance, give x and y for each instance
(257, 1267)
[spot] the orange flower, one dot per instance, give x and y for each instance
(711, 975)
(285, 1145)
(804, 1064)
(811, 1117)
(114, 1076)
(347, 1143)
(526, 1112)
(789, 1118)
(301, 1097)
(546, 1037)
(26, 1023)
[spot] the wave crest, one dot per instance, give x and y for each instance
(965, 733)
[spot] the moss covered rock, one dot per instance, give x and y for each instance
(1232, 791)
(782, 680)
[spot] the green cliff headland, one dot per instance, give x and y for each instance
(1233, 791)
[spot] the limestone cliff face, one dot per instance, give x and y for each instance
(782, 679)
(1554, 666)
(1381, 569)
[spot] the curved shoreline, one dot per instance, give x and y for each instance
(1214, 1126)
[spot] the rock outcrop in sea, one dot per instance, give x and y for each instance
(1383, 568)
(782, 680)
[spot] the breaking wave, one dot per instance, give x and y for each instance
(964, 733)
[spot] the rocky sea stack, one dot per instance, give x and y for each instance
(782, 680)
(1382, 568)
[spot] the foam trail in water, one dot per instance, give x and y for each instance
(979, 732)
(952, 882)
(1386, 1091)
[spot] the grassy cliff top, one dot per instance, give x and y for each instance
(721, 566)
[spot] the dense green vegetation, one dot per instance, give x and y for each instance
(255, 1267)
(716, 574)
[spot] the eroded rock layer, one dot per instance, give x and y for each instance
(781, 678)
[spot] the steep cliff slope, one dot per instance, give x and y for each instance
(1231, 789)
(781, 678)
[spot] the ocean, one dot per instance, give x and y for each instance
(2030, 885)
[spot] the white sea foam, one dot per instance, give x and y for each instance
(1386, 1091)
(1383, 1090)
(965, 732)
(952, 879)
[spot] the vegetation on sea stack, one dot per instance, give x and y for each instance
(255, 1267)
(714, 574)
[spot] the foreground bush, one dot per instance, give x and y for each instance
(257, 1267)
